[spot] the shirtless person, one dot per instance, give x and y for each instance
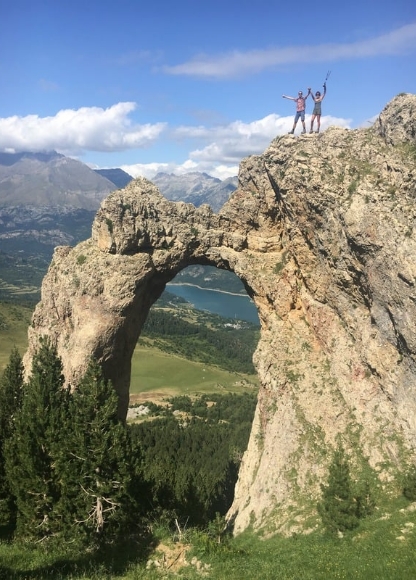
(300, 101)
(316, 113)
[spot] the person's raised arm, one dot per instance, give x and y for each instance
(290, 98)
(324, 91)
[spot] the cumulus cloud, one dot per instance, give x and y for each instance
(223, 147)
(230, 143)
(72, 132)
(238, 63)
(149, 170)
(216, 150)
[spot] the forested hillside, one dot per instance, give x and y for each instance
(209, 339)
(191, 453)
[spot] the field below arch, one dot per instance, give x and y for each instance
(157, 375)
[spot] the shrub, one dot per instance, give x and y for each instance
(409, 484)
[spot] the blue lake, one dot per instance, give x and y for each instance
(217, 302)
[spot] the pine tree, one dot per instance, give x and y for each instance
(11, 389)
(365, 500)
(30, 466)
(95, 465)
(338, 508)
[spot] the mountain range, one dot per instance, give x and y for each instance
(50, 180)
(196, 188)
(47, 200)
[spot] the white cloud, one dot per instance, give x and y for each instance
(237, 63)
(230, 143)
(226, 145)
(149, 170)
(215, 150)
(73, 131)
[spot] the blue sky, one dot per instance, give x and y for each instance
(184, 85)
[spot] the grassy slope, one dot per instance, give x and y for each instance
(382, 548)
(154, 373)
(14, 321)
(157, 375)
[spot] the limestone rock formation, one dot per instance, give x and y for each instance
(322, 232)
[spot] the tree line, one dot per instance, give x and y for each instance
(66, 464)
(71, 471)
(227, 347)
(191, 460)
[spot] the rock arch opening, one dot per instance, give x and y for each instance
(199, 336)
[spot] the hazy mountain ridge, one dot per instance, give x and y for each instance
(194, 187)
(50, 179)
(197, 188)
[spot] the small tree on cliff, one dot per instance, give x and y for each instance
(11, 390)
(338, 508)
(95, 465)
(31, 452)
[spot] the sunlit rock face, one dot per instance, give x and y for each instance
(322, 232)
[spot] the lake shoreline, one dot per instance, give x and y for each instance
(220, 302)
(210, 289)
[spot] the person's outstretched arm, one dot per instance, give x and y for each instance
(290, 98)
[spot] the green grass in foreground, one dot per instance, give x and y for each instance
(382, 548)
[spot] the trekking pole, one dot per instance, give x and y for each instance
(327, 75)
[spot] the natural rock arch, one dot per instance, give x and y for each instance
(96, 296)
(321, 232)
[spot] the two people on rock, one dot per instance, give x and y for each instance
(300, 101)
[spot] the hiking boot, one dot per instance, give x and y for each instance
(291, 132)
(303, 132)
(310, 131)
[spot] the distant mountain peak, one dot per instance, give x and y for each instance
(195, 187)
(49, 179)
(116, 175)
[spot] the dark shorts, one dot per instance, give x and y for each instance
(300, 114)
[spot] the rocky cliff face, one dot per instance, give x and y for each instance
(322, 232)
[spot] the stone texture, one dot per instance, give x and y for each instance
(322, 232)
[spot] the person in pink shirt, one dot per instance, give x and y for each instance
(300, 101)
